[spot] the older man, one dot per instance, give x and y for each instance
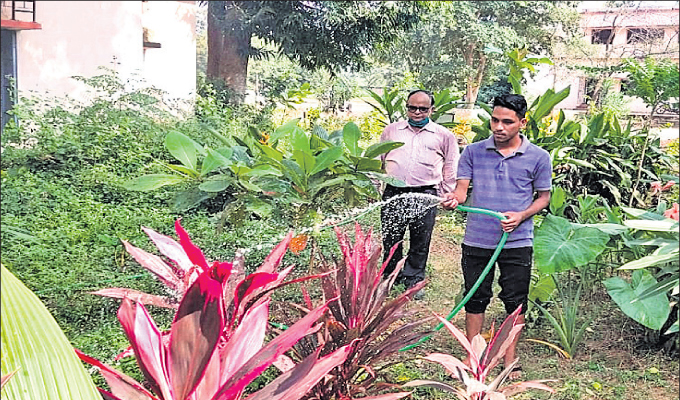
(427, 163)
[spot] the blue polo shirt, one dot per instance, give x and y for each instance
(502, 183)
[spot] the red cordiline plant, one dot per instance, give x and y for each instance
(361, 318)
(215, 346)
(483, 358)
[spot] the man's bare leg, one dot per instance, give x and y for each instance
(473, 327)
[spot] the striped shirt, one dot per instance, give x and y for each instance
(503, 183)
(427, 158)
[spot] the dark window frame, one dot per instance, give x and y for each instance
(638, 35)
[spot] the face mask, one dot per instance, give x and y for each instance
(418, 124)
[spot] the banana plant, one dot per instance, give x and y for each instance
(38, 361)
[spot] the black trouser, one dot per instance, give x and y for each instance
(515, 277)
(412, 213)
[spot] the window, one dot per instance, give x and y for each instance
(602, 36)
(639, 35)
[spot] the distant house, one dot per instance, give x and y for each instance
(610, 35)
(45, 43)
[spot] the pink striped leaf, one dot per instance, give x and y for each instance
(147, 344)
(122, 386)
(155, 265)
(247, 340)
(194, 334)
(271, 263)
(137, 296)
(192, 251)
(266, 356)
(294, 384)
(171, 249)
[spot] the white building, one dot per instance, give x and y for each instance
(45, 43)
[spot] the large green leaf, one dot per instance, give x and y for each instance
(548, 101)
(152, 181)
(650, 261)
(364, 164)
(188, 199)
(213, 161)
(380, 148)
(305, 160)
(350, 136)
(270, 152)
(33, 343)
(561, 246)
(326, 158)
(542, 289)
(284, 130)
(183, 148)
(216, 185)
(299, 140)
(667, 225)
(651, 312)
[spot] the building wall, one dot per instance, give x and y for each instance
(77, 37)
(558, 76)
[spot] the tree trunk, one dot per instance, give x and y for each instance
(474, 83)
(228, 48)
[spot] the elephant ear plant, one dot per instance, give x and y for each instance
(361, 319)
(483, 358)
(215, 345)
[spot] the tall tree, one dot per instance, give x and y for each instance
(463, 41)
(316, 34)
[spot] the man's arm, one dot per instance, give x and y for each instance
(458, 196)
(513, 218)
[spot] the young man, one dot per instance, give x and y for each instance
(506, 171)
(427, 164)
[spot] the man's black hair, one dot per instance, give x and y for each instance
(427, 92)
(514, 102)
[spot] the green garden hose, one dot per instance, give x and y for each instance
(485, 272)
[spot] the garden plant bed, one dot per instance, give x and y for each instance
(614, 361)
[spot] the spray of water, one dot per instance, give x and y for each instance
(411, 205)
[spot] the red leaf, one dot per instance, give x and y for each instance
(194, 334)
(221, 271)
(246, 340)
(194, 253)
(145, 339)
(7, 377)
(137, 296)
(157, 266)
(121, 385)
(501, 336)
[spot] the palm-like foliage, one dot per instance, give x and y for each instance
(483, 358)
(215, 346)
(360, 318)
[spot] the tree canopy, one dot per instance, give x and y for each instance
(463, 41)
(316, 34)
